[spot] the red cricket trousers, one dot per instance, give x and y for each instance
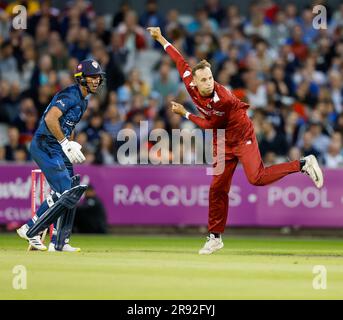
(249, 155)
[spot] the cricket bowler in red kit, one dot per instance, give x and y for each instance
(222, 110)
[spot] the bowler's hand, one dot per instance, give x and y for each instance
(155, 32)
(178, 108)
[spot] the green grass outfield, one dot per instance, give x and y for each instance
(163, 267)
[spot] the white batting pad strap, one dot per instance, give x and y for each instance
(49, 201)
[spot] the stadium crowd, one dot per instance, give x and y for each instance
(289, 72)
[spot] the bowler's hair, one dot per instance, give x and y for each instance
(201, 65)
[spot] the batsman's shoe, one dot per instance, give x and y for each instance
(35, 242)
(212, 244)
(312, 169)
(66, 248)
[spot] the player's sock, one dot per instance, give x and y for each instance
(216, 235)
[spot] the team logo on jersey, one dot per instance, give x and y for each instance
(186, 74)
(95, 64)
(61, 103)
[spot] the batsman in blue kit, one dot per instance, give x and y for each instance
(55, 155)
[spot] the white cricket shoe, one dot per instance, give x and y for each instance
(35, 242)
(66, 248)
(212, 244)
(312, 169)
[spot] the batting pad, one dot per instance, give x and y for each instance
(68, 200)
(65, 221)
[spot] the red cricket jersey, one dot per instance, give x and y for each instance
(222, 110)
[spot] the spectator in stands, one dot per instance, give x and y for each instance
(20, 154)
(173, 24)
(28, 64)
(101, 31)
(42, 74)
(202, 22)
(81, 48)
(215, 10)
(292, 17)
(164, 84)
(131, 34)
(27, 121)
(306, 23)
(58, 52)
(113, 121)
(76, 16)
(320, 140)
(13, 143)
(42, 33)
(256, 26)
(91, 214)
(297, 43)
(339, 124)
(118, 18)
(272, 141)
(114, 73)
(105, 152)
(151, 17)
(256, 90)
(334, 158)
(7, 106)
(307, 147)
(294, 154)
(279, 30)
(8, 64)
(46, 12)
(93, 130)
(4, 23)
(336, 86)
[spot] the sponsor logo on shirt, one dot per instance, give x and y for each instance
(70, 123)
(204, 111)
(218, 113)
